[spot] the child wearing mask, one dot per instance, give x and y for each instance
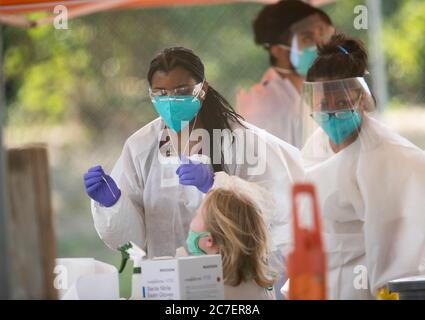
(231, 222)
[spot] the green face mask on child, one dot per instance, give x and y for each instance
(192, 242)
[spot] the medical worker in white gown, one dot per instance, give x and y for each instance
(370, 180)
(166, 167)
(290, 32)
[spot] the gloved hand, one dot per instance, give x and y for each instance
(195, 174)
(101, 187)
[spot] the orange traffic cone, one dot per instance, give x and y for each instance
(306, 263)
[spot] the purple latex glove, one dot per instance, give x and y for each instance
(101, 187)
(195, 174)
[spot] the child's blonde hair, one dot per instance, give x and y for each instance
(237, 227)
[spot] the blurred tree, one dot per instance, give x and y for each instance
(41, 71)
(95, 71)
(405, 48)
(404, 43)
(94, 75)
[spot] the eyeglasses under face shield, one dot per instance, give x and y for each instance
(185, 91)
(336, 106)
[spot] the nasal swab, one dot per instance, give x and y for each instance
(110, 189)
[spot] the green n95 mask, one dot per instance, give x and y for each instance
(192, 242)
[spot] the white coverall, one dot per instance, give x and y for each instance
(273, 105)
(155, 211)
(372, 202)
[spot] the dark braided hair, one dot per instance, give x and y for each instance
(216, 112)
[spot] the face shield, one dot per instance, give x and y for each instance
(334, 116)
(306, 35)
(311, 31)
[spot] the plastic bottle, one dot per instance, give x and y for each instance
(133, 252)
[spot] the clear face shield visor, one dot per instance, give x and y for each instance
(305, 36)
(334, 112)
(310, 32)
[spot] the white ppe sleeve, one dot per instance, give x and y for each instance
(124, 221)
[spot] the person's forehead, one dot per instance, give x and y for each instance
(336, 93)
(334, 96)
(308, 24)
(174, 78)
(312, 29)
(197, 223)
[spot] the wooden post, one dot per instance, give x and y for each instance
(32, 241)
(4, 262)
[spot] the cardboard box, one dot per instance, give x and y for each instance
(184, 278)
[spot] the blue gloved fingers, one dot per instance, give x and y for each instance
(90, 175)
(180, 169)
(93, 187)
(187, 176)
(111, 184)
(92, 181)
(101, 187)
(97, 168)
(184, 168)
(205, 188)
(187, 182)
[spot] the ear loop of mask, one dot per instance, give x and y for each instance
(357, 109)
(283, 71)
(291, 50)
(294, 51)
(190, 133)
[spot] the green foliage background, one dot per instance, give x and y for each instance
(83, 90)
(100, 63)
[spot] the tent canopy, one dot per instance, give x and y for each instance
(16, 6)
(12, 12)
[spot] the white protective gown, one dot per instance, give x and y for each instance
(273, 105)
(155, 211)
(372, 202)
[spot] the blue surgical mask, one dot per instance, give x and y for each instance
(176, 111)
(192, 242)
(303, 60)
(339, 129)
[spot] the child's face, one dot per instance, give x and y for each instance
(197, 224)
(205, 243)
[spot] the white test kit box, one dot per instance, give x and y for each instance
(183, 278)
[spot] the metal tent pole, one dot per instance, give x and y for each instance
(376, 51)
